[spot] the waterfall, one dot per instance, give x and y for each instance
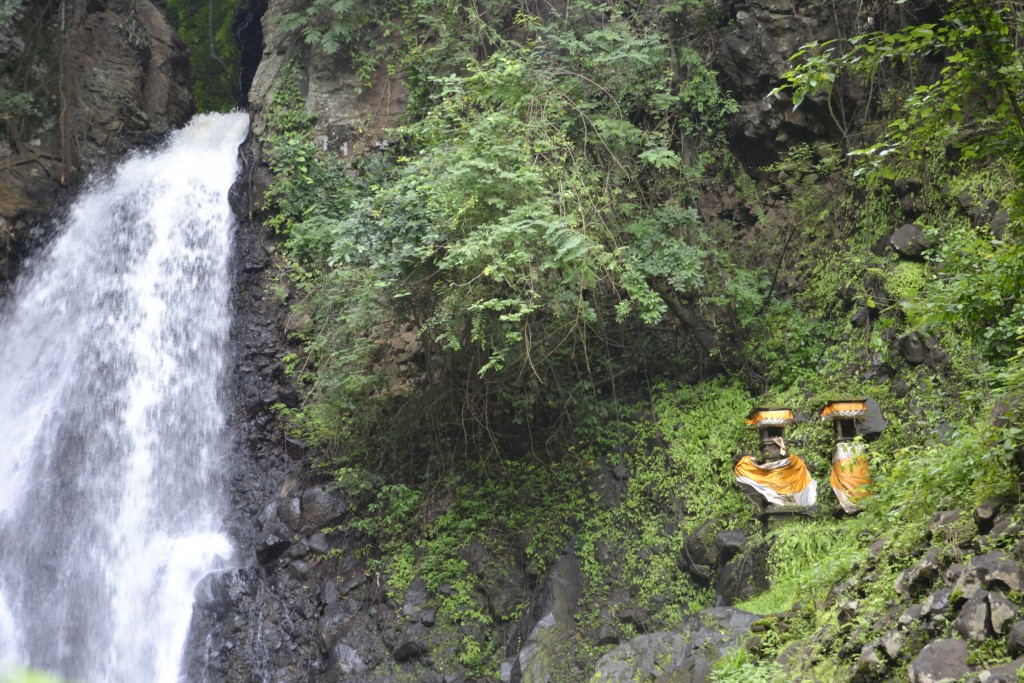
(112, 419)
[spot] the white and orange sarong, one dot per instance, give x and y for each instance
(850, 477)
(785, 482)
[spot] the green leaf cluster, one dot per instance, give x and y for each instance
(541, 197)
(206, 28)
(973, 104)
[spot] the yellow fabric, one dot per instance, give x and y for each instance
(785, 481)
(851, 476)
(770, 415)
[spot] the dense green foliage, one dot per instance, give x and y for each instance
(205, 26)
(533, 231)
(540, 201)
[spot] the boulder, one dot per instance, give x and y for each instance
(336, 622)
(642, 658)
(973, 621)
(289, 511)
(938, 661)
(953, 573)
(937, 603)
(342, 663)
(549, 622)
(415, 598)
(919, 578)
(910, 616)
(321, 508)
(1001, 612)
(940, 522)
(1015, 640)
(504, 592)
(910, 241)
(271, 544)
(607, 635)
(985, 514)
(991, 571)
(685, 655)
(873, 423)
(869, 666)
(699, 557)
(216, 592)
(743, 576)
(413, 643)
(1007, 673)
(912, 349)
(892, 644)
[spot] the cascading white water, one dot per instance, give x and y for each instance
(112, 428)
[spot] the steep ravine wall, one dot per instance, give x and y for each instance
(303, 606)
(110, 76)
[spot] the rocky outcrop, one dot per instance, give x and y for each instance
(119, 77)
(684, 655)
(549, 624)
(725, 559)
(751, 59)
(961, 594)
(350, 113)
(301, 606)
(755, 52)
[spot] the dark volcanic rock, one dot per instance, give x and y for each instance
(942, 660)
(686, 655)
(415, 598)
(272, 545)
(342, 663)
(973, 621)
(321, 508)
(1007, 673)
(549, 621)
(912, 349)
(873, 423)
(1015, 640)
(910, 241)
(700, 555)
(919, 578)
(750, 58)
(413, 643)
(991, 571)
(870, 665)
(743, 576)
(123, 77)
(1001, 612)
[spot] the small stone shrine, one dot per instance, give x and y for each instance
(849, 477)
(775, 479)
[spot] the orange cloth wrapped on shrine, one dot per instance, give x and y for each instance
(784, 482)
(850, 477)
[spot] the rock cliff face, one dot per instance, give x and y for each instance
(349, 114)
(106, 76)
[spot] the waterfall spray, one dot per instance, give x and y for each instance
(112, 363)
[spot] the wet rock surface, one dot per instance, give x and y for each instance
(123, 81)
(686, 654)
(300, 606)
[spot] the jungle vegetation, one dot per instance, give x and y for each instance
(535, 226)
